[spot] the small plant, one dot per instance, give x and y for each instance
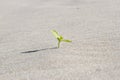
(59, 38)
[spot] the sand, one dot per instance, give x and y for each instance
(28, 49)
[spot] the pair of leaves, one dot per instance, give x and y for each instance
(59, 37)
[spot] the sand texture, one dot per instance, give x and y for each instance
(28, 49)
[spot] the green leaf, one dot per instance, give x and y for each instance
(61, 38)
(66, 40)
(55, 33)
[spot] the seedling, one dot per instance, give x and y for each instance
(59, 38)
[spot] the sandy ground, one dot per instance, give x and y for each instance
(27, 47)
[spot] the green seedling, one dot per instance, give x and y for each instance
(59, 38)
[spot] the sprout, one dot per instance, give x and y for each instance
(59, 38)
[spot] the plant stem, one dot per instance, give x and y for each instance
(58, 44)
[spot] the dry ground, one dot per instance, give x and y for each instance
(92, 25)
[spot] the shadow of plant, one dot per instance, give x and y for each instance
(32, 51)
